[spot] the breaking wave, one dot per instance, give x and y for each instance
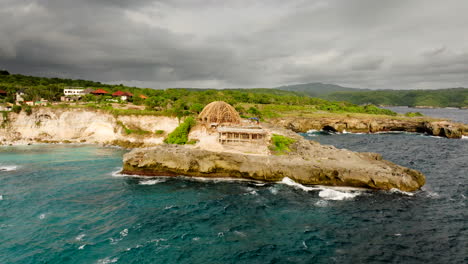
(151, 182)
(8, 168)
(326, 193)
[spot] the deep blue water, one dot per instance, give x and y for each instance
(62, 204)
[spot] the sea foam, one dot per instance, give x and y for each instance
(151, 182)
(8, 168)
(327, 193)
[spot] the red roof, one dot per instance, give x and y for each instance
(120, 93)
(143, 97)
(3, 92)
(100, 91)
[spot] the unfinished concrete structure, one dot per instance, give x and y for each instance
(254, 135)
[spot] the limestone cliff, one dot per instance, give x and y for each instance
(83, 125)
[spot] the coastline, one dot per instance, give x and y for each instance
(81, 125)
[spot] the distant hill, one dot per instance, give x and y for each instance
(452, 97)
(318, 89)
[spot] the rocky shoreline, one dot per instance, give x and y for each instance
(310, 163)
(52, 125)
(440, 128)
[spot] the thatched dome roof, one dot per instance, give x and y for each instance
(219, 112)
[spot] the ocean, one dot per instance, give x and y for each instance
(69, 204)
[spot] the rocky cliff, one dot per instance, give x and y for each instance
(83, 125)
(309, 163)
(372, 125)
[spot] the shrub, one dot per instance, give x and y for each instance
(159, 132)
(28, 109)
(180, 134)
(16, 109)
(413, 114)
(254, 111)
(280, 144)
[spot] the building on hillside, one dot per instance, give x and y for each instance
(19, 96)
(6, 107)
(3, 93)
(42, 102)
(72, 94)
(73, 91)
(100, 92)
(229, 126)
(124, 96)
(144, 97)
(88, 90)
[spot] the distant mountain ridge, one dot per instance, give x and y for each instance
(449, 97)
(318, 89)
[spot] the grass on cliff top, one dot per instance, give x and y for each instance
(180, 134)
(280, 144)
(277, 111)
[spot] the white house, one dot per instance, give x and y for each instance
(73, 92)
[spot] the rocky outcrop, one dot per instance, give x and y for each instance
(373, 125)
(309, 163)
(52, 125)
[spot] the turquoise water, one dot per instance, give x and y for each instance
(65, 204)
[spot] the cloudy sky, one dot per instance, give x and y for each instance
(398, 44)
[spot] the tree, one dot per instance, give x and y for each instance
(196, 108)
(4, 72)
(254, 111)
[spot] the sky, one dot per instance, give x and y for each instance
(398, 44)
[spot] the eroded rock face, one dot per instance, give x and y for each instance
(363, 125)
(81, 125)
(310, 163)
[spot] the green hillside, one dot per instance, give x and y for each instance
(454, 97)
(180, 101)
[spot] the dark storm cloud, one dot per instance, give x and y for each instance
(203, 43)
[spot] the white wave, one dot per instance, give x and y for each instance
(117, 173)
(151, 182)
(290, 182)
(124, 232)
(273, 190)
(464, 137)
(82, 246)
(312, 131)
(432, 194)
(8, 168)
(42, 216)
(321, 203)
(395, 190)
(1, 197)
(80, 237)
(328, 193)
(107, 260)
(137, 246)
